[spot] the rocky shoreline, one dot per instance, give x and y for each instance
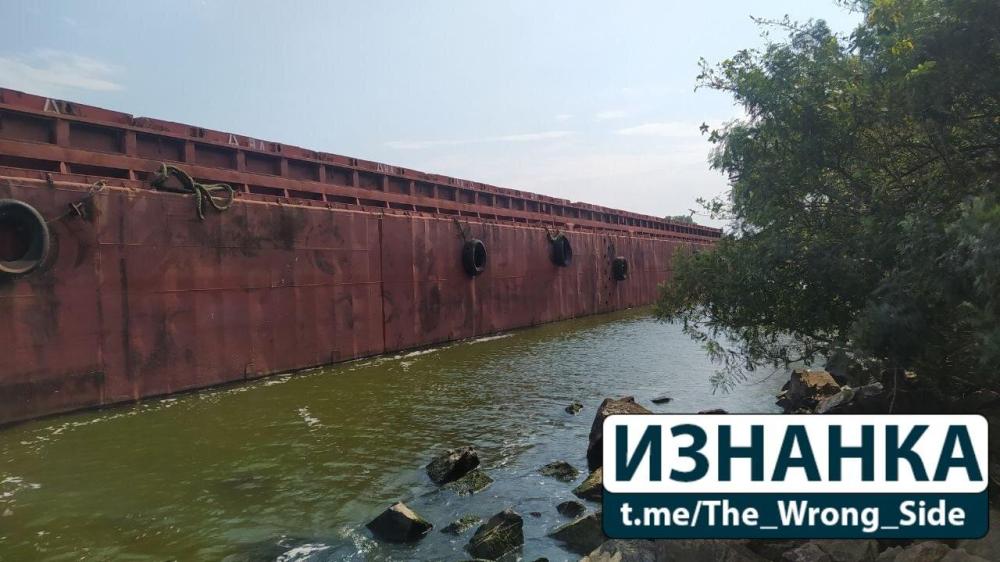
(501, 536)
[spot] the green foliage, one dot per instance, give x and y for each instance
(687, 219)
(863, 205)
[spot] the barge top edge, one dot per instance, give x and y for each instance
(41, 134)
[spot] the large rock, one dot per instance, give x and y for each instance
(452, 465)
(773, 549)
(928, 551)
(574, 408)
(850, 550)
(868, 399)
(581, 535)
(834, 551)
(682, 550)
(977, 402)
(593, 487)
(989, 546)
(805, 388)
(809, 552)
(560, 470)
(503, 533)
(399, 524)
(610, 407)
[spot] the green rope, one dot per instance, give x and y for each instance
(203, 192)
(78, 208)
(462, 231)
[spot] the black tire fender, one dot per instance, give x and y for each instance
(619, 268)
(562, 251)
(25, 240)
(474, 257)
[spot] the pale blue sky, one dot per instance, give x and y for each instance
(591, 101)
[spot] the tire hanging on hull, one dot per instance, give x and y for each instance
(562, 250)
(619, 268)
(25, 239)
(474, 257)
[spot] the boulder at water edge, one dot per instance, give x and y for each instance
(610, 407)
(928, 551)
(503, 533)
(452, 465)
(868, 399)
(399, 524)
(805, 388)
(685, 550)
(834, 551)
(592, 488)
(581, 535)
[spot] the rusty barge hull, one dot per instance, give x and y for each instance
(321, 258)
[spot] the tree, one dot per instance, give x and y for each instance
(864, 200)
(686, 219)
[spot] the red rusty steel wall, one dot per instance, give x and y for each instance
(145, 299)
(322, 258)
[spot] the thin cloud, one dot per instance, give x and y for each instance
(522, 137)
(564, 117)
(51, 72)
(610, 114)
(672, 129)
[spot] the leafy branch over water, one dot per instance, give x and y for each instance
(864, 200)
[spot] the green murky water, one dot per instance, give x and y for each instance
(291, 467)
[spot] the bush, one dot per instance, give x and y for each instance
(863, 204)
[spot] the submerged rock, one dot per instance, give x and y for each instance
(560, 470)
(571, 509)
(714, 411)
(610, 407)
(475, 481)
(663, 399)
(593, 487)
(270, 550)
(503, 533)
(574, 408)
(581, 535)
(462, 525)
(685, 550)
(452, 465)
(399, 524)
